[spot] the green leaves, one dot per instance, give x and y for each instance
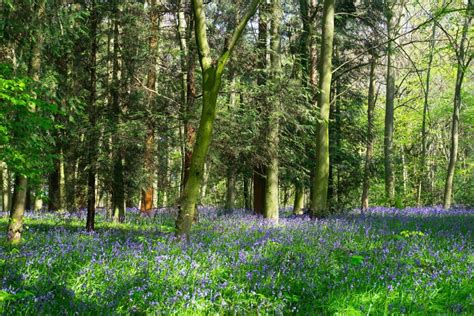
(26, 123)
(5, 296)
(356, 260)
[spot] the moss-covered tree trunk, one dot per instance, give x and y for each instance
(211, 82)
(462, 65)
(370, 135)
(319, 205)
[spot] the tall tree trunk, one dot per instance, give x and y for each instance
(299, 199)
(147, 191)
(271, 207)
(259, 172)
(6, 190)
(230, 190)
(422, 183)
(462, 64)
(389, 106)
(308, 51)
(92, 137)
(211, 81)
(118, 189)
(319, 205)
(188, 89)
(370, 135)
(15, 223)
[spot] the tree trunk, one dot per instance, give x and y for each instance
(463, 63)
(147, 191)
(370, 135)
(6, 190)
(118, 190)
(230, 191)
(258, 189)
(15, 224)
(389, 110)
(319, 205)
(299, 199)
(188, 89)
(247, 201)
(211, 83)
(259, 172)
(92, 141)
(271, 207)
(422, 183)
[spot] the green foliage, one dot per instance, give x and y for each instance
(26, 124)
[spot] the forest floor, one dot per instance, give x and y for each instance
(385, 261)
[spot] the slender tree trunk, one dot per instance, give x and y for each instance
(319, 205)
(422, 183)
(271, 207)
(147, 192)
(53, 188)
(15, 223)
(259, 172)
(230, 191)
(463, 63)
(370, 135)
(118, 190)
(389, 109)
(6, 193)
(247, 201)
(299, 199)
(188, 89)
(92, 141)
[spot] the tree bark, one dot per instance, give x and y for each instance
(462, 65)
(319, 205)
(370, 136)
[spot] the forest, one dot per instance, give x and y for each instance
(249, 157)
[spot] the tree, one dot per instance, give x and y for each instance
(370, 135)
(15, 223)
(212, 71)
(319, 203)
(463, 58)
(92, 116)
(147, 192)
(271, 207)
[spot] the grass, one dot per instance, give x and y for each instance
(412, 261)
